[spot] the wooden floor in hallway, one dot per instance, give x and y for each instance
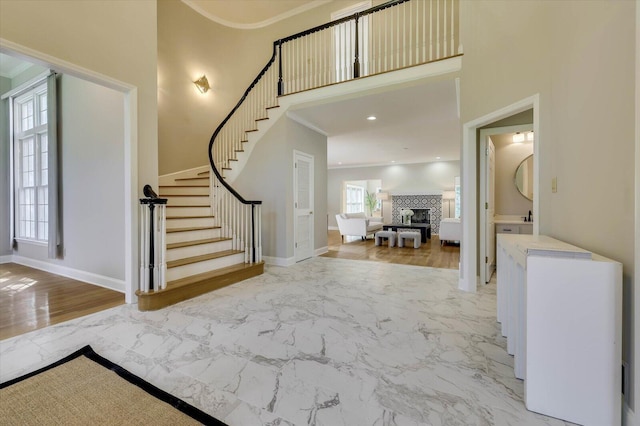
(430, 253)
(31, 299)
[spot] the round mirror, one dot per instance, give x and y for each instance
(524, 177)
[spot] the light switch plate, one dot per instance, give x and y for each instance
(554, 185)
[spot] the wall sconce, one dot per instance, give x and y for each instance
(448, 196)
(202, 84)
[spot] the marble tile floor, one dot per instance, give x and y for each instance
(323, 342)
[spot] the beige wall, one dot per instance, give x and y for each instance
(113, 38)
(509, 155)
(271, 165)
(579, 56)
(190, 45)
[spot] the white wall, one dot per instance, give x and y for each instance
(268, 176)
(400, 178)
(516, 49)
(91, 132)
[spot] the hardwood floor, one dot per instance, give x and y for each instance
(429, 254)
(31, 299)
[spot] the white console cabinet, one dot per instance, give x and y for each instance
(560, 308)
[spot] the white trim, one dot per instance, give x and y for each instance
(387, 164)
(279, 261)
(255, 25)
(88, 277)
(628, 417)
(469, 245)
(333, 228)
(484, 133)
(320, 251)
(6, 259)
(295, 117)
(27, 85)
(196, 170)
(130, 150)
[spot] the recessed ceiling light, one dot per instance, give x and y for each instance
(437, 158)
(393, 161)
(339, 162)
(371, 117)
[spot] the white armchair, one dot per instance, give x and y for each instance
(358, 225)
(450, 230)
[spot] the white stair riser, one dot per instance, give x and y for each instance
(190, 251)
(188, 211)
(183, 237)
(201, 267)
(167, 191)
(193, 182)
(190, 222)
(189, 201)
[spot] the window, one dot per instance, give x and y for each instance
(354, 199)
(31, 164)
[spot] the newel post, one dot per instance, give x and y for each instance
(280, 82)
(356, 63)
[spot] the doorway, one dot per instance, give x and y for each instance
(303, 205)
(470, 245)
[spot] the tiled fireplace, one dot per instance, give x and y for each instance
(431, 202)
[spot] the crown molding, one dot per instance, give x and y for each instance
(255, 25)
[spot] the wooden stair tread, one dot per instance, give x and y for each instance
(271, 107)
(196, 285)
(190, 217)
(204, 173)
(181, 186)
(185, 195)
(184, 205)
(191, 178)
(201, 258)
(262, 119)
(249, 131)
(191, 228)
(196, 242)
(209, 275)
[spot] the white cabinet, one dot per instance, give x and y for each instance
(561, 309)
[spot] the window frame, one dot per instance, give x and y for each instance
(38, 232)
(348, 189)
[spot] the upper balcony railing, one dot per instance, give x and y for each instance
(391, 36)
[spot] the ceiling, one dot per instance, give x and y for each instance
(249, 14)
(414, 125)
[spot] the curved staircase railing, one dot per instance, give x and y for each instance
(394, 35)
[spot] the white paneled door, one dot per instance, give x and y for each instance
(303, 205)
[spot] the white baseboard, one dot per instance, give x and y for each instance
(628, 417)
(169, 177)
(5, 259)
(333, 228)
(279, 261)
(88, 277)
(320, 251)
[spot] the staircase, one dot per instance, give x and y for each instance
(199, 258)
(213, 235)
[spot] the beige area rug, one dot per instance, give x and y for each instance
(87, 389)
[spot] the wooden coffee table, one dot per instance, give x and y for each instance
(425, 229)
